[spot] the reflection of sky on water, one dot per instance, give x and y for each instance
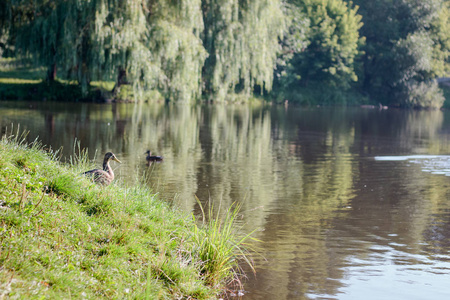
(390, 272)
(434, 164)
(394, 274)
(393, 270)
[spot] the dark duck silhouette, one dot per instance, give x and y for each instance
(105, 176)
(151, 158)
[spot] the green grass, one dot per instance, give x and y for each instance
(61, 236)
(220, 247)
(20, 81)
(25, 87)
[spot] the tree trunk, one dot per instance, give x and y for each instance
(51, 72)
(121, 79)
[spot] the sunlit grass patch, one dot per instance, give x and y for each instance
(104, 85)
(19, 81)
(14, 70)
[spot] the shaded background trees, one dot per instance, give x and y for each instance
(159, 45)
(155, 45)
(406, 47)
(320, 47)
(312, 51)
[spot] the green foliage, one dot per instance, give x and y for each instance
(157, 45)
(318, 50)
(440, 27)
(241, 38)
(295, 41)
(4, 28)
(181, 50)
(413, 56)
(423, 95)
(406, 43)
(333, 41)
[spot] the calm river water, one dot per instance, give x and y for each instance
(348, 203)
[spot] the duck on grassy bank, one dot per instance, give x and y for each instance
(151, 158)
(105, 176)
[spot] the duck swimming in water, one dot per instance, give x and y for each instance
(151, 158)
(105, 176)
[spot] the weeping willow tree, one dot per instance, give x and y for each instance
(53, 33)
(148, 44)
(241, 38)
(181, 48)
(4, 27)
(178, 48)
(155, 44)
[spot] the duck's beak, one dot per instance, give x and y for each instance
(115, 159)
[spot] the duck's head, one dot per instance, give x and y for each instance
(148, 152)
(110, 156)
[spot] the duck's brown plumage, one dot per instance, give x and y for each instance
(152, 158)
(105, 176)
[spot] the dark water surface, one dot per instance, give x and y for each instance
(348, 203)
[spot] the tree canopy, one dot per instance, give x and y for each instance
(185, 49)
(331, 30)
(241, 38)
(406, 47)
(154, 44)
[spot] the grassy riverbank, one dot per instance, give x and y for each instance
(61, 236)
